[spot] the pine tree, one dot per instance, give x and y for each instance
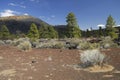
(5, 34)
(73, 30)
(101, 32)
(47, 31)
(33, 32)
(110, 30)
(88, 33)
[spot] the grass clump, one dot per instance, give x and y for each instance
(25, 46)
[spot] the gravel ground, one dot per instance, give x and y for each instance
(51, 64)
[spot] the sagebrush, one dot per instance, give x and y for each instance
(25, 46)
(92, 57)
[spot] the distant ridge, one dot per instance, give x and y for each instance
(20, 23)
(22, 18)
(15, 17)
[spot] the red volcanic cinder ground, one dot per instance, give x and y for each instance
(51, 64)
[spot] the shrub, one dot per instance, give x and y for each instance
(107, 42)
(49, 44)
(71, 45)
(84, 45)
(8, 42)
(92, 57)
(16, 42)
(59, 45)
(2, 42)
(34, 44)
(25, 46)
(44, 45)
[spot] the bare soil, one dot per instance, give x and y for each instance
(51, 64)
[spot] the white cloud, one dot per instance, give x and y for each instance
(47, 18)
(52, 16)
(101, 25)
(16, 5)
(26, 14)
(39, 1)
(118, 25)
(12, 4)
(8, 12)
(35, 1)
(89, 29)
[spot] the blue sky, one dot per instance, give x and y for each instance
(89, 13)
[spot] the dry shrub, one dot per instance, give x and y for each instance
(8, 42)
(92, 57)
(50, 44)
(25, 46)
(16, 42)
(84, 45)
(2, 42)
(107, 42)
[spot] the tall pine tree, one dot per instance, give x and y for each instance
(110, 30)
(88, 33)
(101, 33)
(73, 30)
(47, 31)
(4, 32)
(33, 32)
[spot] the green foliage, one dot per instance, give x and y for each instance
(101, 32)
(110, 22)
(47, 32)
(113, 35)
(73, 30)
(88, 33)
(33, 32)
(4, 32)
(110, 30)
